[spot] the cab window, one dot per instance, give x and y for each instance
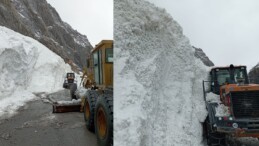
(109, 55)
(223, 76)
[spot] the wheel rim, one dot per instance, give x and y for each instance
(101, 123)
(87, 110)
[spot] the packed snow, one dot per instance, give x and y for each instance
(158, 80)
(26, 67)
(211, 97)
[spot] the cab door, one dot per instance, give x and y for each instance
(98, 67)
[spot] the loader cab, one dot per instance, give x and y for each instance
(227, 75)
(70, 77)
(101, 63)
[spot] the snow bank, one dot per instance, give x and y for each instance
(26, 67)
(158, 80)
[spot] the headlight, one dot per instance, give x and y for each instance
(235, 125)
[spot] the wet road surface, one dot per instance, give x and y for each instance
(36, 125)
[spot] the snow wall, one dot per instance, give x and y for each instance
(158, 80)
(26, 67)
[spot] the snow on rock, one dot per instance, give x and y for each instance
(158, 80)
(26, 67)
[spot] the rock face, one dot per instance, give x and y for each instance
(254, 74)
(203, 57)
(39, 20)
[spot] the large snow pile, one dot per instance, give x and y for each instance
(26, 67)
(158, 80)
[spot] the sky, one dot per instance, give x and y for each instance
(93, 18)
(226, 30)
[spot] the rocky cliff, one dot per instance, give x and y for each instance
(203, 57)
(254, 74)
(39, 20)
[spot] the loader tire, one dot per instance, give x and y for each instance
(103, 119)
(89, 106)
(73, 88)
(214, 138)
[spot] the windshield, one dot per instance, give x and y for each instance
(223, 75)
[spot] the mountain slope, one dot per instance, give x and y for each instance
(202, 56)
(37, 19)
(254, 74)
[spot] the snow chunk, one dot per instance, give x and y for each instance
(158, 80)
(81, 91)
(73, 102)
(26, 67)
(211, 97)
(222, 111)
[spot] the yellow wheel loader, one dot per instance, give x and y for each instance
(97, 101)
(68, 106)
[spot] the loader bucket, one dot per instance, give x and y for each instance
(66, 108)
